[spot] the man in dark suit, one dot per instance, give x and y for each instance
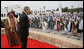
(24, 25)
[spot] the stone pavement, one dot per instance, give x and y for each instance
(68, 35)
(55, 38)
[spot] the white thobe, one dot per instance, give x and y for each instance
(81, 25)
(68, 26)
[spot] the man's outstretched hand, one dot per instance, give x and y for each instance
(30, 21)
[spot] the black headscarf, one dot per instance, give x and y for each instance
(14, 14)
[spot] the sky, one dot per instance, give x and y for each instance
(39, 4)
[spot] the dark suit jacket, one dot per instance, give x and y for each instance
(24, 24)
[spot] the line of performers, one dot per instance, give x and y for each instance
(67, 23)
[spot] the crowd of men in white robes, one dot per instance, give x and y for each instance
(66, 22)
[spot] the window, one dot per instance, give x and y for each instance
(34, 11)
(4, 15)
(1, 15)
(38, 11)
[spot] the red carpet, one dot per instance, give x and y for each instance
(31, 43)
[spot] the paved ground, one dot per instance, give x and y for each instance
(68, 35)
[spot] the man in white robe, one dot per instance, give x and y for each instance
(69, 25)
(81, 25)
(44, 25)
